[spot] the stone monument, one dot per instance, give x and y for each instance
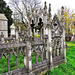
(3, 25)
(12, 28)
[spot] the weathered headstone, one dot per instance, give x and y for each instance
(12, 28)
(3, 25)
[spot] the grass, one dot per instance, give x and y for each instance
(69, 67)
(62, 69)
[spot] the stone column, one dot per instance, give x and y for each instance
(41, 33)
(58, 51)
(64, 45)
(25, 59)
(47, 54)
(42, 57)
(45, 17)
(8, 66)
(47, 48)
(8, 62)
(57, 48)
(61, 45)
(50, 48)
(63, 24)
(29, 62)
(54, 51)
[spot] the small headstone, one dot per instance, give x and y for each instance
(12, 28)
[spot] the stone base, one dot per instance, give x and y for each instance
(51, 66)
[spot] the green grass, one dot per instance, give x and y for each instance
(69, 67)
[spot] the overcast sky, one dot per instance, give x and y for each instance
(57, 4)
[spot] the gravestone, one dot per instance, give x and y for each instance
(12, 28)
(3, 25)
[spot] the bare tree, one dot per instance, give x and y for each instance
(25, 9)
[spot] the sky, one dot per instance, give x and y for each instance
(57, 4)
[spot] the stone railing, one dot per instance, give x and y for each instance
(49, 48)
(10, 46)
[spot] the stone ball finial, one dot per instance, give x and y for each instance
(62, 10)
(45, 2)
(45, 6)
(62, 7)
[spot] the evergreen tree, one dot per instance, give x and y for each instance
(4, 8)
